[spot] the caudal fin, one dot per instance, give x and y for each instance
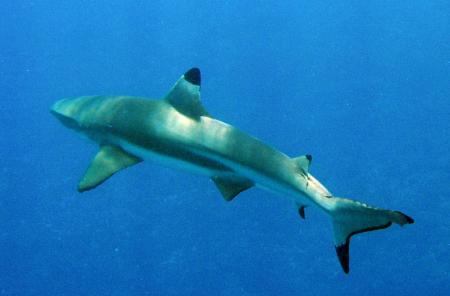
(352, 217)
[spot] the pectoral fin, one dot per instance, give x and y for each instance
(108, 161)
(231, 186)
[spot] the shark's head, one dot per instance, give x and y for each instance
(66, 112)
(82, 113)
(72, 111)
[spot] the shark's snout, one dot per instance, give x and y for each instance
(59, 107)
(63, 110)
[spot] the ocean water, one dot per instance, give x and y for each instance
(363, 86)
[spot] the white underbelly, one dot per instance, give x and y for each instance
(259, 179)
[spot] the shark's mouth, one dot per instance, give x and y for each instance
(67, 121)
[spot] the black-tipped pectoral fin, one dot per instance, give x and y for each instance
(229, 187)
(108, 161)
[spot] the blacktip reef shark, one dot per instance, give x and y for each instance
(178, 131)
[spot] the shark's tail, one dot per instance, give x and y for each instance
(352, 217)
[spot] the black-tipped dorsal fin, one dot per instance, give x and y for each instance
(185, 95)
(108, 161)
(229, 187)
(303, 163)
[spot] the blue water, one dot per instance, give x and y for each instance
(363, 86)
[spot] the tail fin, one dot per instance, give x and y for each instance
(351, 217)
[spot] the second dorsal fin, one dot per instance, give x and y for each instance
(185, 95)
(303, 163)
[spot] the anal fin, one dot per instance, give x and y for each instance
(301, 211)
(229, 187)
(108, 161)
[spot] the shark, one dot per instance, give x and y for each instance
(177, 131)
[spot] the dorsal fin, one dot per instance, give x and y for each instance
(303, 163)
(231, 186)
(108, 161)
(185, 95)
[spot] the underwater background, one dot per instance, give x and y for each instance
(363, 86)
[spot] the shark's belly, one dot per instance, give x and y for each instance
(207, 162)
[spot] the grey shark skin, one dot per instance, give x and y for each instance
(179, 132)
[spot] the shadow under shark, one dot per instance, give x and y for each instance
(179, 132)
